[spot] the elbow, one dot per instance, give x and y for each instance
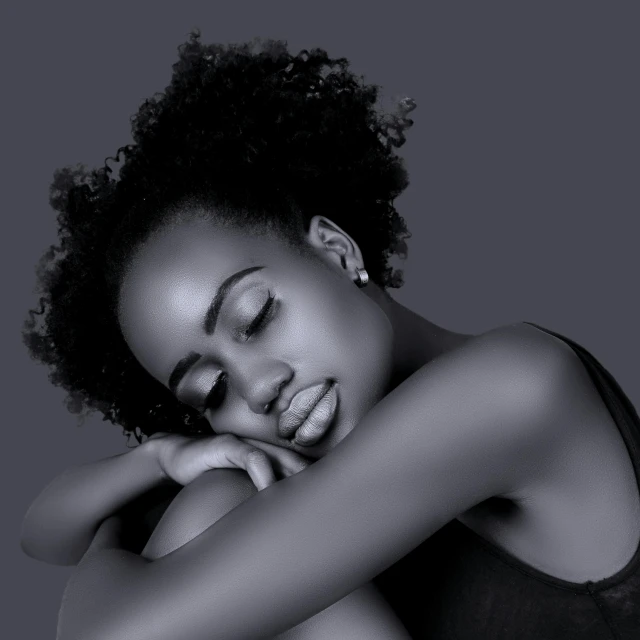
(46, 554)
(29, 540)
(29, 548)
(35, 544)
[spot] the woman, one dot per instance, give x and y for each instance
(232, 280)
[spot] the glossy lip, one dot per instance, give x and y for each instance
(300, 408)
(319, 420)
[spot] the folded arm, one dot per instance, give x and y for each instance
(362, 614)
(475, 423)
(138, 485)
(62, 521)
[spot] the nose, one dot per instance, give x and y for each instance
(261, 383)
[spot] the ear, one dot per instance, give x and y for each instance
(334, 245)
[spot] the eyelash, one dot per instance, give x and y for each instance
(256, 324)
(261, 319)
(212, 401)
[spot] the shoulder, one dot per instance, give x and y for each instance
(528, 370)
(503, 403)
(198, 506)
(518, 348)
(523, 337)
(541, 374)
(507, 365)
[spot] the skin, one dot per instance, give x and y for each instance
(164, 298)
(420, 402)
(364, 613)
(324, 327)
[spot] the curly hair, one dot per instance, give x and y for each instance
(265, 138)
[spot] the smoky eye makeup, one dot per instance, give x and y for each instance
(247, 316)
(262, 317)
(201, 392)
(254, 310)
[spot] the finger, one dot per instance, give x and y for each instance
(233, 452)
(285, 461)
(288, 461)
(260, 469)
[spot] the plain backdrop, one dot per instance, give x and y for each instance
(524, 196)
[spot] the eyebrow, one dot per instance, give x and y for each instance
(211, 317)
(209, 325)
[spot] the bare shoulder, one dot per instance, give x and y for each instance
(493, 404)
(198, 505)
(522, 345)
(555, 405)
(510, 361)
(536, 373)
(547, 365)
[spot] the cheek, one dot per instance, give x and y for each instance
(235, 417)
(357, 335)
(362, 359)
(371, 334)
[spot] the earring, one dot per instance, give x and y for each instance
(363, 277)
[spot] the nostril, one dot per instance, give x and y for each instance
(283, 384)
(267, 407)
(275, 394)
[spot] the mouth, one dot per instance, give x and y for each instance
(310, 414)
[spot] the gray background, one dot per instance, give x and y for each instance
(524, 162)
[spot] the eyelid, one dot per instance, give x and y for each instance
(263, 315)
(265, 312)
(201, 385)
(219, 380)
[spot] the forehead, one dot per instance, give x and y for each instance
(189, 245)
(197, 251)
(172, 278)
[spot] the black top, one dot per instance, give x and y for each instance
(469, 589)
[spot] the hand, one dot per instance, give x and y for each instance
(184, 458)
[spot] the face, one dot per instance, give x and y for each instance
(267, 342)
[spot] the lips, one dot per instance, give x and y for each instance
(310, 414)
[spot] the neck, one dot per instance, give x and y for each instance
(417, 340)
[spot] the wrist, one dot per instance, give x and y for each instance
(151, 451)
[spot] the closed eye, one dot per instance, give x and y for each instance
(216, 394)
(263, 316)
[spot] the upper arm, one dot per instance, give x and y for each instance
(475, 423)
(484, 419)
(471, 424)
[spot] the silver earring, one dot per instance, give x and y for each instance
(363, 277)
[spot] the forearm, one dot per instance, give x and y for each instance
(364, 613)
(61, 522)
(233, 581)
(270, 564)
